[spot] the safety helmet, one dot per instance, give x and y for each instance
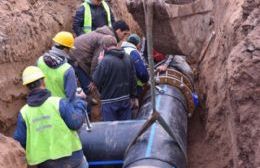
(65, 39)
(32, 74)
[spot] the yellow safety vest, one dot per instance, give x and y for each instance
(47, 135)
(54, 78)
(88, 18)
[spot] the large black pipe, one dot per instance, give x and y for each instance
(156, 148)
(105, 144)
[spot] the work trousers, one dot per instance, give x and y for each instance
(116, 111)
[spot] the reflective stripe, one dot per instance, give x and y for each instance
(44, 117)
(88, 17)
(41, 128)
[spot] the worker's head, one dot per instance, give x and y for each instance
(96, 2)
(33, 77)
(121, 30)
(64, 40)
(109, 42)
(134, 39)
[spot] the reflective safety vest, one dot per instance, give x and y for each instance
(88, 18)
(47, 135)
(54, 78)
(128, 51)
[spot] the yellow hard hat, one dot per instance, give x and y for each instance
(65, 39)
(31, 74)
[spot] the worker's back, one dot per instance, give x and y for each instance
(114, 76)
(54, 77)
(88, 47)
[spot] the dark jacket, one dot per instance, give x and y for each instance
(72, 112)
(115, 77)
(99, 18)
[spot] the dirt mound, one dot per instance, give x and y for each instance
(11, 154)
(225, 131)
(25, 33)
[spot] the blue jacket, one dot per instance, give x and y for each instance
(99, 18)
(55, 58)
(141, 71)
(72, 112)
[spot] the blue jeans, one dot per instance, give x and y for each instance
(116, 111)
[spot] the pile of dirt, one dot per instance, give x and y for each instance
(225, 130)
(26, 29)
(11, 153)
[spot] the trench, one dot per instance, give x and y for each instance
(52, 22)
(28, 26)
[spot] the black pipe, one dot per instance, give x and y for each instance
(105, 144)
(156, 148)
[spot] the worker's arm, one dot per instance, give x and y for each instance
(99, 74)
(78, 21)
(70, 83)
(133, 89)
(141, 71)
(73, 112)
(20, 132)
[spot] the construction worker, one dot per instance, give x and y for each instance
(91, 15)
(60, 75)
(115, 79)
(47, 125)
(88, 47)
(132, 47)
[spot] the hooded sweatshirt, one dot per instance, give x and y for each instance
(54, 59)
(115, 77)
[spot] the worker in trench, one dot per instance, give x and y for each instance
(115, 79)
(179, 63)
(60, 76)
(85, 55)
(47, 125)
(91, 15)
(132, 48)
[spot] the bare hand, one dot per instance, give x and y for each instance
(134, 103)
(80, 93)
(161, 68)
(91, 87)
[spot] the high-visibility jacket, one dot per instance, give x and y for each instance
(54, 78)
(47, 135)
(88, 17)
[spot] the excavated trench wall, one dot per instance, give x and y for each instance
(224, 132)
(227, 78)
(26, 29)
